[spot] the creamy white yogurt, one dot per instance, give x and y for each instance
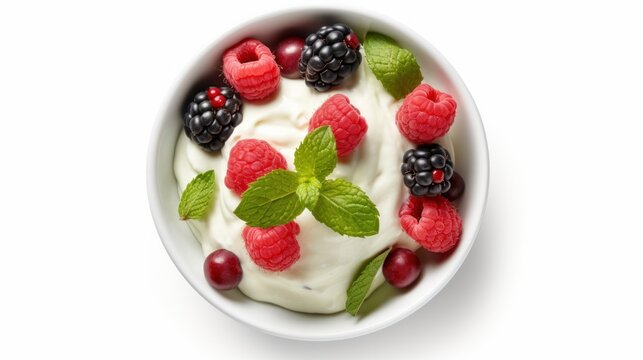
(318, 281)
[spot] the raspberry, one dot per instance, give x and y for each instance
(249, 160)
(251, 69)
(275, 248)
(431, 221)
(348, 126)
(426, 114)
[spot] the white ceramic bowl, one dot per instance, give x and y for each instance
(385, 306)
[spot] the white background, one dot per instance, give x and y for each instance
(555, 272)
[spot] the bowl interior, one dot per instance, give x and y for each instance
(385, 306)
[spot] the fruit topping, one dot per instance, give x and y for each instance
(330, 56)
(348, 126)
(222, 269)
(401, 267)
(427, 170)
(249, 160)
(251, 69)
(426, 114)
(287, 55)
(212, 116)
(275, 248)
(431, 221)
(457, 187)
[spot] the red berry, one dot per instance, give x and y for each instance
(401, 267)
(212, 92)
(438, 176)
(218, 101)
(352, 41)
(222, 269)
(287, 56)
(349, 127)
(249, 160)
(431, 221)
(275, 248)
(457, 187)
(251, 69)
(425, 115)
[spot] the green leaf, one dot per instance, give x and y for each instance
(308, 192)
(346, 209)
(317, 154)
(356, 293)
(197, 197)
(395, 67)
(271, 200)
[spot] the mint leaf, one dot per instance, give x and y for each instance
(308, 192)
(271, 200)
(346, 209)
(395, 67)
(356, 293)
(317, 154)
(197, 197)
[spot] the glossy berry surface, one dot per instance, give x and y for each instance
(401, 267)
(427, 170)
(287, 56)
(344, 119)
(330, 56)
(250, 67)
(457, 187)
(212, 116)
(222, 270)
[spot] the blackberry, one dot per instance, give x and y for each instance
(329, 56)
(427, 170)
(212, 116)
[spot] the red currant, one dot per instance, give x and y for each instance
(218, 101)
(401, 267)
(438, 176)
(351, 41)
(457, 187)
(212, 92)
(287, 56)
(222, 270)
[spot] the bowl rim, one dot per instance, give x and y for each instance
(155, 137)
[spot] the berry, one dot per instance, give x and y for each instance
(431, 221)
(251, 69)
(249, 160)
(401, 267)
(287, 56)
(457, 188)
(222, 269)
(212, 116)
(275, 248)
(427, 170)
(330, 56)
(426, 114)
(349, 127)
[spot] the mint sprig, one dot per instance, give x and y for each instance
(346, 209)
(280, 196)
(197, 197)
(271, 200)
(395, 67)
(356, 293)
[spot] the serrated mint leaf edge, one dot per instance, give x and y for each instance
(355, 232)
(245, 206)
(397, 80)
(197, 197)
(357, 291)
(316, 155)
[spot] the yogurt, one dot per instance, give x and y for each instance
(329, 262)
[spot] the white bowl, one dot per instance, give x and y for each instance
(385, 306)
